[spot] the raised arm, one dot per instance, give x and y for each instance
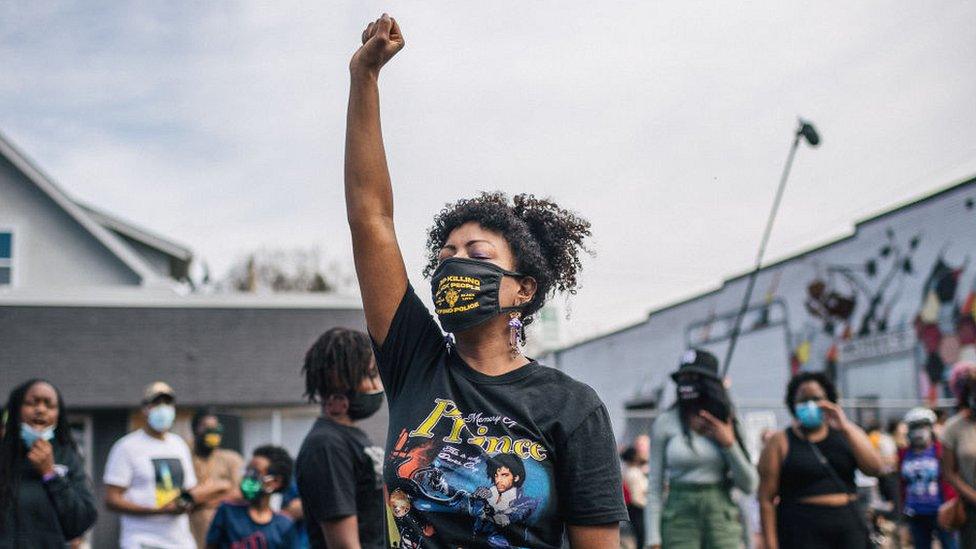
(867, 458)
(369, 193)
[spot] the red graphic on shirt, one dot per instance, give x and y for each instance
(254, 541)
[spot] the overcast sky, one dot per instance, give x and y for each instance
(666, 124)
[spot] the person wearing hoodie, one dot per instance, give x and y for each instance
(45, 495)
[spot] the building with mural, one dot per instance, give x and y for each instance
(886, 310)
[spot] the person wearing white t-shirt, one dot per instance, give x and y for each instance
(148, 477)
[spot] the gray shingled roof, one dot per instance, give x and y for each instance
(103, 356)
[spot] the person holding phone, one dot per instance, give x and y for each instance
(697, 456)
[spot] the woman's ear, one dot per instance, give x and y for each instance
(527, 289)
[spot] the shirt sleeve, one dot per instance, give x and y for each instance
(744, 474)
(118, 470)
(588, 482)
(72, 498)
(414, 339)
(655, 480)
(327, 484)
(216, 532)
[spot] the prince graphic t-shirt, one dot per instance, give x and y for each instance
(488, 461)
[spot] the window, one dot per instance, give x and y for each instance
(6, 258)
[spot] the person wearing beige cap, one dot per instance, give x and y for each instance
(148, 477)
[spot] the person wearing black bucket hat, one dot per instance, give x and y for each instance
(471, 415)
(696, 451)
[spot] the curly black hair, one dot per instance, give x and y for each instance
(799, 379)
(546, 240)
(336, 363)
(280, 463)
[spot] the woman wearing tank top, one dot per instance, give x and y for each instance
(816, 506)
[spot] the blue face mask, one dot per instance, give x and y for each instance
(809, 414)
(161, 417)
(28, 434)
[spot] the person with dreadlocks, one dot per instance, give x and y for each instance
(698, 454)
(45, 496)
(337, 465)
(458, 403)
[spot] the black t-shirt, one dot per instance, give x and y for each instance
(489, 461)
(338, 472)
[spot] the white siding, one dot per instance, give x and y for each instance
(54, 251)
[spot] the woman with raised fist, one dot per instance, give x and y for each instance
(486, 447)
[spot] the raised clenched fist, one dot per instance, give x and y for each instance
(382, 40)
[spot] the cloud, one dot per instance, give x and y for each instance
(221, 125)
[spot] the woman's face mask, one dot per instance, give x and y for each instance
(809, 414)
(28, 434)
(466, 292)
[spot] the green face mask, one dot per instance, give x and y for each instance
(251, 487)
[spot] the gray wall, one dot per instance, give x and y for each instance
(633, 361)
(51, 250)
(104, 356)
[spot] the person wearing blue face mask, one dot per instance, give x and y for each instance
(148, 478)
(45, 496)
(810, 467)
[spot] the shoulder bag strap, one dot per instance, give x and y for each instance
(843, 486)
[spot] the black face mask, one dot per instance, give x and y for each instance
(466, 293)
(363, 405)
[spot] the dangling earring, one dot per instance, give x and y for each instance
(515, 332)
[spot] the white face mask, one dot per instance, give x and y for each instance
(920, 437)
(28, 434)
(161, 417)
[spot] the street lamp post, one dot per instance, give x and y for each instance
(807, 132)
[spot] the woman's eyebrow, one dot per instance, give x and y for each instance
(470, 242)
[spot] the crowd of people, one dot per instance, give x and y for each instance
(823, 482)
(486, 447)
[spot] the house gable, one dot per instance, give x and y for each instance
(56, 245)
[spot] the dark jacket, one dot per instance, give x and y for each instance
(49, 514)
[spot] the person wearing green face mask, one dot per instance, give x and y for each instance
(252, 522)
(218, 471)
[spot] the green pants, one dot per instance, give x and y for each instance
(700, 516)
